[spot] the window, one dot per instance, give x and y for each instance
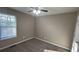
(7, 26)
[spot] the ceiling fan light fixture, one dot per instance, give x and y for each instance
(36, 12)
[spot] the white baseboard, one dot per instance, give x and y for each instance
(52, 43)
(31, 38)
(16, 43)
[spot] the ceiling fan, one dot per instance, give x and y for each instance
(37, 10)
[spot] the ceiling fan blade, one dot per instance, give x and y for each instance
(30, 11)
(44, 10)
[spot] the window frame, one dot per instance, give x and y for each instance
(7, 38)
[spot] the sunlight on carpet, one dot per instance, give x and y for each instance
(46, 50)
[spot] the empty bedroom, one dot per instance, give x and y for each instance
(39, 29)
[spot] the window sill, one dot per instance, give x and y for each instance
(7, 38)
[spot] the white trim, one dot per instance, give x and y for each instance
(52, 43)
(29, 39)
(15, 43)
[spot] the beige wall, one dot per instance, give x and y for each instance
(25, 27)
(57, 29)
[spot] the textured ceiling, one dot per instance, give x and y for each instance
(51, 10)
